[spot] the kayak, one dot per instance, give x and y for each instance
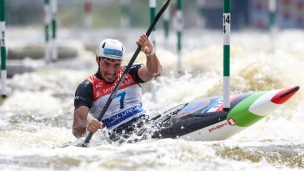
(205, 120)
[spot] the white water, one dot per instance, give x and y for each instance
(36, 118)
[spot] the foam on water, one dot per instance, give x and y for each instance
(36, 118)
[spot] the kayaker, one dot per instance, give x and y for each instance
(126, 106)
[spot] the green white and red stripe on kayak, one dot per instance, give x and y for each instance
(205, 120)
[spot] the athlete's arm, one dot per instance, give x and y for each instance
(80, 121)
(82, 103)
(153, 67)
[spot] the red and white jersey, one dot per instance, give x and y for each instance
(125, 105)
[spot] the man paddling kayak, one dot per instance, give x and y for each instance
(126, 107)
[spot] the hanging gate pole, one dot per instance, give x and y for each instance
(3, 49)
(226, 55)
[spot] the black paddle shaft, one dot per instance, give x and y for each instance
(88, 138)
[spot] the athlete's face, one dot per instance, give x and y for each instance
(109, 69)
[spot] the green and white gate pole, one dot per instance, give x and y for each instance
(125, 13)
(54, 30)
(272, 8)
(271, 20)
(179, 25)
(88, 13)
(226, 55)
(3, 49)
(47, 29)
(166, 25)
(152, 4)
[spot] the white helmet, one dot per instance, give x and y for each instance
(110, 48)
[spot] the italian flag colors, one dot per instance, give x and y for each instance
(262, 103)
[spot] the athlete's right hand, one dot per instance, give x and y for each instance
(93, 125)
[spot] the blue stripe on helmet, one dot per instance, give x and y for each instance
(112, 52)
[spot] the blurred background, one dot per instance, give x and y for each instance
(108, 13)
(26, 23)
(50, 50)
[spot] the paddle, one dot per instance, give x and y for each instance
(89, 136)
